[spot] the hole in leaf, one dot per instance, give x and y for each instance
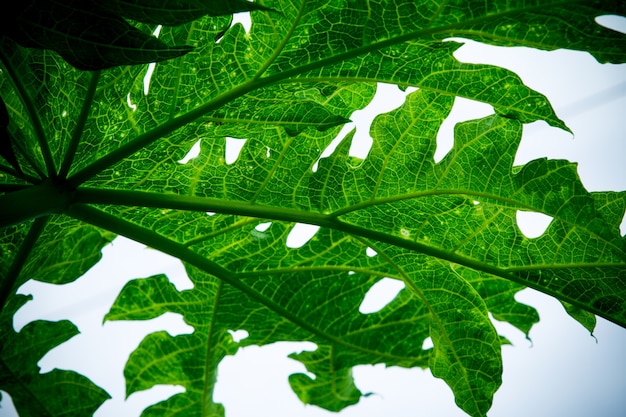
(388, 97)
(193, 153)
(262, 227)
(370, 252)
(428, 344)
(148, 77)
(347, 128)
(98, 360)
(301, 234)
(238, 335)
(241, 17)
(244, 19)
(132, 106)
(532, 224)
(233, 149)
(380, 294)
(6, 405)
(622, 226)
(614, 22)
(246, 374)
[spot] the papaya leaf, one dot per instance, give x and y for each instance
(56, 393)
(95, 154)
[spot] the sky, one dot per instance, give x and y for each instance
(562, 371)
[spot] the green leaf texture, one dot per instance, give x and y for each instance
(98, 154)
(56, 393)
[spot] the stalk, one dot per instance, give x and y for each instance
(31, 203)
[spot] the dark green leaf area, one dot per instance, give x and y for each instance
(85, 34)
(585, 318)
(176, 12)
(600, 288)
(611, 206)
(12, 238)
(45, 107)
(7, 152)
(537, 24)
(56, 393)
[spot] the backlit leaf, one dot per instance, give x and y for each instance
(99, 154)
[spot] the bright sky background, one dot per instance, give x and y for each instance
(563, 372)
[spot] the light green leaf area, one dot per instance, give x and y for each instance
(55, 393)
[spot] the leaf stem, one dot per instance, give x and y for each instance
(178, 202)
(80, 125)
(31, 202)
(192, 203)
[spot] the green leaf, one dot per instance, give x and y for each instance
(64, 251)
(56, 393)
(585, 318)
(99, 155)
(332, 389)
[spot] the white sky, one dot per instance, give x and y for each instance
(565, 372)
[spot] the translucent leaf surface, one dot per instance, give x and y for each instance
(99, 155)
